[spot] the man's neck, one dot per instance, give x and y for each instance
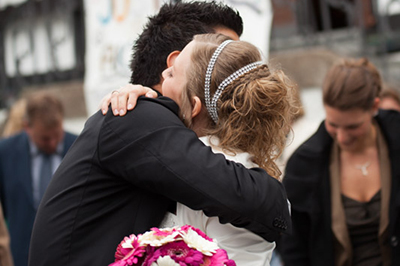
(158, 88)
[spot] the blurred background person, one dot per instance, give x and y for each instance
(390, 99)
(343, 182)
(27, 162)
(14, 123)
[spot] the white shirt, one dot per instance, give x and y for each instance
(36, 160)
(242, 246)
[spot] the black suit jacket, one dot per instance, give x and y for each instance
(123, 173)
(308, 187)
(16, 191)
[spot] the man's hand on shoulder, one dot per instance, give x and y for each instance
(125, 98)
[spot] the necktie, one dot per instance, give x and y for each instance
(45, 175)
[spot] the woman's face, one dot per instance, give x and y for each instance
(349, 128)
(175, 76)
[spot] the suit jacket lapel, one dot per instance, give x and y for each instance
(66, 144)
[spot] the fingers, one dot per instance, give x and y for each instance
(105, 102)
(150, 93)
(125, 98)
(122, 102)
(119, 106)
(128, 95)
(114, 101)
(136, 92)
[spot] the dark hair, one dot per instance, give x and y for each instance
(352, 83)
(172, 29)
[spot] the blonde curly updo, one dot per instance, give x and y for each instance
(254, 111)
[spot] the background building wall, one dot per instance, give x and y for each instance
(112, 26)
(80, 49)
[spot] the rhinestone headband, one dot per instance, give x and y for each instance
(208, 75)
(213, 105)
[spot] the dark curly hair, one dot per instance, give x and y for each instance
(170, 30)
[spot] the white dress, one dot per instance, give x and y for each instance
(242, 246)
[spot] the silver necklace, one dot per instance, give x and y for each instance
(363, 168)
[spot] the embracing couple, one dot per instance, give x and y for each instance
(124, 174)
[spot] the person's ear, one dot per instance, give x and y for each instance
(196, 106)
(171, 58)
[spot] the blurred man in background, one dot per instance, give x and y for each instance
(27, 163)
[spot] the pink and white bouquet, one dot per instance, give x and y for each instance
(177, 246)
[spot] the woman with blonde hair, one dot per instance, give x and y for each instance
(233, 97)
(242, 109)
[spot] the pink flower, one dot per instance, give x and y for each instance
(128, 252)
(220, 258)
(163, 232)
(184, 246)
(179, 252)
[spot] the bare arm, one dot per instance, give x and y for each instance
(124, 99)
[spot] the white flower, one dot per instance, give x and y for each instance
(194, 240)
(127, 242)
(152, 239)
(165, 261)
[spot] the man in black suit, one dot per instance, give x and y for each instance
(124, 173)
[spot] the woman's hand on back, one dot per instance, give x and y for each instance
(125, 98)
